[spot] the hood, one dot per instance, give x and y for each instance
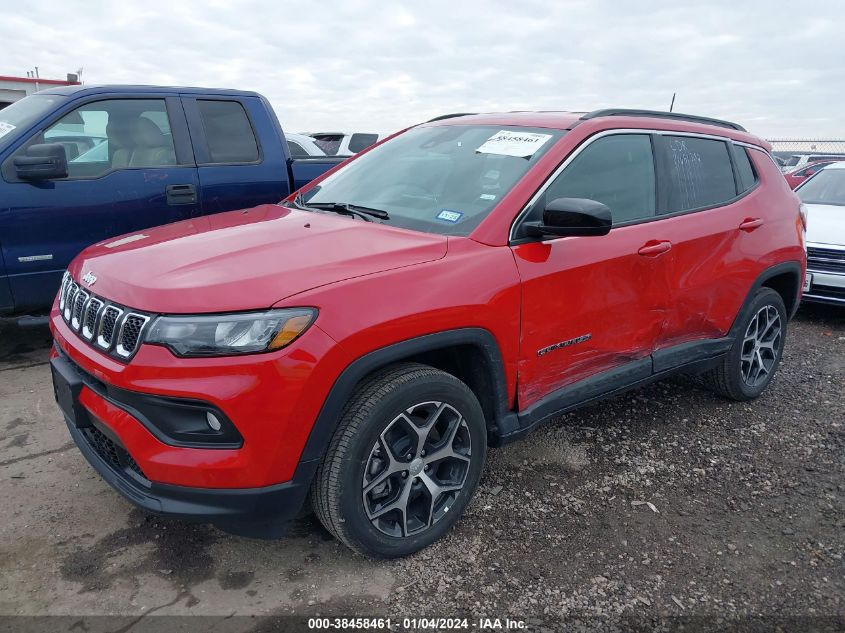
(245, 260)
(826, 224)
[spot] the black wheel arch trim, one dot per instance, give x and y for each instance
(329, 416)
(791, 267)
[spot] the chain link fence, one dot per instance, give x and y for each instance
(808, 146)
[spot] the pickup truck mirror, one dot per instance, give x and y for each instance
(42, 162)
(573, 216)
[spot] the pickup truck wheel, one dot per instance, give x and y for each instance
(749, 366)
(403, 463)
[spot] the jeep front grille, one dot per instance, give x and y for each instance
(109, 327)
(130, 333)
(90, 318)
(105, 333)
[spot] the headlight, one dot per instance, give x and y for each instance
(230, 334)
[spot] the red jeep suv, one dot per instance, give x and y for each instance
(359, 346)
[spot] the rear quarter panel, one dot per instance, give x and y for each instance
(781, 238)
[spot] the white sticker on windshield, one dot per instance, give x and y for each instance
(5, 128)
(519, 144)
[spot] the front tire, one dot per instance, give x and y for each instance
(403, 463)
(753, 359)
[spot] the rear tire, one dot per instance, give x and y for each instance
(403, 463)
(749, 366)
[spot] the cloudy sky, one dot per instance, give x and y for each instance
(777, 67)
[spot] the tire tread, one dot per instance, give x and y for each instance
(326, 489)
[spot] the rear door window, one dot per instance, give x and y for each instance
(698, 173)
(228, 132)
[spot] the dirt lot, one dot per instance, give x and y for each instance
(667, 501)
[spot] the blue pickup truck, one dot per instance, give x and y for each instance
(80, 164)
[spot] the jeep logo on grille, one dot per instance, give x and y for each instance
(89, 278)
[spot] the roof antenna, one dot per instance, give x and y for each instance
(672, 105)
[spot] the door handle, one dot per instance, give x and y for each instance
(654, 248)
(749, 224)
(181, 194)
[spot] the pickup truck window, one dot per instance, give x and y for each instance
(103, 136)
(14, 119)
(228, 132)
(440, 179)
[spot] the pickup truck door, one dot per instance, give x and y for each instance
(241, 154)
(594, 306)
(130, 167)
(6, 303)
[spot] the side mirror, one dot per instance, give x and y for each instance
(573, 216)
(42, 162)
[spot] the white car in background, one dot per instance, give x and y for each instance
(824, 197)
(303, 146)
(797, 161)
(342, 144)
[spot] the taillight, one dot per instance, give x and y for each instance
(802, 211)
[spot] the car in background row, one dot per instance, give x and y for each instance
(824, 197)
(303, 146)
(796, 161)
(797, 176)
(81, 164)
(341, 144)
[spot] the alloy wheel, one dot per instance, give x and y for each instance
(761, 346)
(416, 469)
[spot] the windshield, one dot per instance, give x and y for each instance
(442, 179)
(826, 187)
(15, 118)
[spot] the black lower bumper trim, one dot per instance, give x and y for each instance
(254, 512)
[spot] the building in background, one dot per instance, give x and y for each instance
(14, 88)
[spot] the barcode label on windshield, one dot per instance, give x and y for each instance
(519, 144)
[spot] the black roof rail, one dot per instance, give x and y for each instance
(659, 114)
(450, 116)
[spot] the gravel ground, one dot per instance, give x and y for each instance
(664, 502)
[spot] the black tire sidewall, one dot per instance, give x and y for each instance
(764, 297)
(358, 527)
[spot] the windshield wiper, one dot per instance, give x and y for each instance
(366, 213)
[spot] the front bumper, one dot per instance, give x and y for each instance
(826, 287)
(271, 399)
(256, 512)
